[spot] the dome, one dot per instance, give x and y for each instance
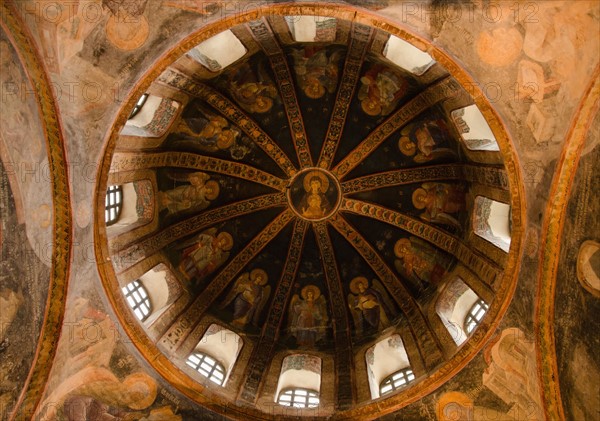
(323, 195)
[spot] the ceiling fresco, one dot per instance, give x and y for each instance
(311, 197)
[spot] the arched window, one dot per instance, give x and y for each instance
(299, 398)
(312, 28)
(407, 56)
(153, 118)
(299, 383)
(385, 357)
(208, 366)
(138, 300)
(453, 307)
(113, 204)
(491, 220)
(218, 52)
(475, 315)
(138, 106)
(395, 381)
(216, 341)
(474, 130)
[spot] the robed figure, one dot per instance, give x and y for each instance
(206, 253)
(249, 296)
(308, 316)
(370, 305)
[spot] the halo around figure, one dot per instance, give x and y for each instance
(401, 247)
(315, 290)
(259, 272)
(418, 198)
(358, 280)
(318, 174)
(227, 240)
(212, 189)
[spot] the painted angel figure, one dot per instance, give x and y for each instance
(196, 195)
(317, 73)
(370, 305)
(210, 132)
(418, 262)
(204, 254)
(308, 316)
(439, 200)
(422, 141)
(381, 90)
(254, 91)
(249, 296)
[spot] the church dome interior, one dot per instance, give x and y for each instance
(299, 202)
(350, 210)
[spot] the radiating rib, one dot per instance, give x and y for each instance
(188, 320)
(148, 246)
(263, 35)
(402, 176)
(128, 161)
(344, 357)
(359, 42)
(264, 348)
(487, 271)
(486, 175)
(428, 346)
(231, 112)
(429, 97)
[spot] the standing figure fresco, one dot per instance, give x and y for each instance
(419, 263)
(253, 91)
(370, 305)
(211, 132)
(439, 200)
(249, 295)
(194, 196)
(423, 141)
(317, 72)
(381, 90)
(206, 253)
(308, 316)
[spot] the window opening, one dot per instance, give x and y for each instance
(395, 381)
(138, 106)
(138, 300)
(113, 204)
(207, 366)
(299, 398)
(475, 315)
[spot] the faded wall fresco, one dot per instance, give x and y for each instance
(577, 309)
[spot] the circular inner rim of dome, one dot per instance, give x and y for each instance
(326, 246)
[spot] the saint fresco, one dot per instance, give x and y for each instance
(440, 201)
(419, 262)
(370, 305)
(425, 141)
(204, 254)
(314, 195)
(249, 296)
(194, 196)
(317, 71)
(255, 92)
(380, 90)
(308, 316)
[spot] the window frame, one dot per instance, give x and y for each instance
(403, 374)
(140, 304)
(471, 317)
(115, 191)
(138, 106)
(214, 367)
(293, 393)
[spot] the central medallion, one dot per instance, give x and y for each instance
(314, 194)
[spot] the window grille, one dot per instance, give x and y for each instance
(475, 315)
(299, 398)
(113, 204)
(208, 367)
(396, 381)
(138, 300)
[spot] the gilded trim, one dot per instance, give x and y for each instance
(62, 229)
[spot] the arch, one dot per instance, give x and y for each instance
(384, 359)
(474, 129)
(153, 118)
(492, 221)
(307, 28)
(220, 345)
(218, 52)
(300, 374)
(453, 307)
